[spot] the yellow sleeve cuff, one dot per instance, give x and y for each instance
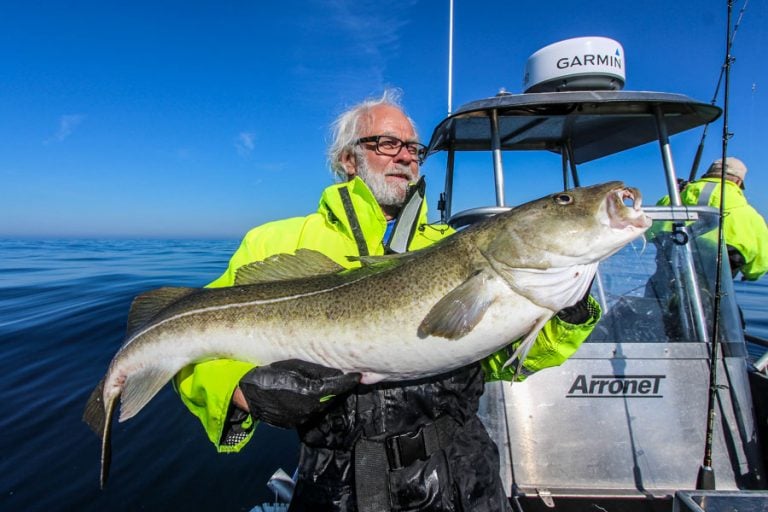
(206, 389)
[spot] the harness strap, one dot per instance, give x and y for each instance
(406, 223)
(354, 223)
(371, 486)
(375, 458)
(706, 193)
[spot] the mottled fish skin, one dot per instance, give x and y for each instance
(397, 318)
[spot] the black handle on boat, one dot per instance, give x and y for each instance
(757, 340)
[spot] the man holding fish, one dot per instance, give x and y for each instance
(409, 445)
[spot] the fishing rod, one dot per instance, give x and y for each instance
(706, 477)
(700, 149)
(450, 56)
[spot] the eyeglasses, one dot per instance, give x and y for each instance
(391, 146)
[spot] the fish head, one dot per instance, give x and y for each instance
(579, 226)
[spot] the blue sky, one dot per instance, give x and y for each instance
(203, 119)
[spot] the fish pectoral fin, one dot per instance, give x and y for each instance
(147, 305)
(283, 266)
(141, 386)
(460, 310)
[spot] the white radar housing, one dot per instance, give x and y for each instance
(579, 64)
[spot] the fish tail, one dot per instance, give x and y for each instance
(98, 416)
(134, 393)
(106, 444)
(93, 415)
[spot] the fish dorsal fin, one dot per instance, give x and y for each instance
(378, 263)
(384, 260)
(147, 305)
(280, 267)
(460, 310)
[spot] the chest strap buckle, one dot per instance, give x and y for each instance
(405, 449)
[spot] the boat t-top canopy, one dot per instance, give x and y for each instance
(588, 124)
(579, 125)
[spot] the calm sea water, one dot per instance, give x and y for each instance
(63, 307)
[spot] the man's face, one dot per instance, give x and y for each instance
(387, 176)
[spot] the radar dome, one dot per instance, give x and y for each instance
(579, 64)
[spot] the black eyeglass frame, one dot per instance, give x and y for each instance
(421, 149)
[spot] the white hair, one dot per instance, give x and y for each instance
(347, 128)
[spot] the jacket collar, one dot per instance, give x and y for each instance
(369, 215)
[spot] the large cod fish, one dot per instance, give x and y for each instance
(395, 318)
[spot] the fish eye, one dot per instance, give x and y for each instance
(563, 198)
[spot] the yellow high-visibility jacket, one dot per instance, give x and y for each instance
(743, 227)
(207, 388)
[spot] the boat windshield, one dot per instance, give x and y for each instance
(662, 288)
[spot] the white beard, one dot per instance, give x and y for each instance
(386, 194)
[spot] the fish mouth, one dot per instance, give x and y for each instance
(625, 209)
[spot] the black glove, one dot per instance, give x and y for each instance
(736, 260)
(580, 312)
(287, 393)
